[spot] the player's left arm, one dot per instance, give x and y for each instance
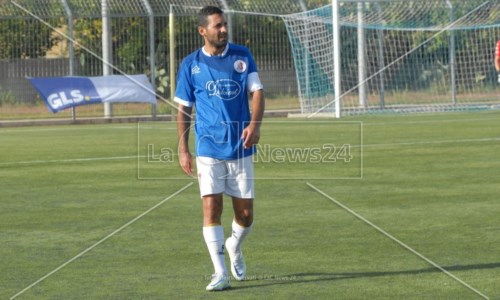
(251, 134)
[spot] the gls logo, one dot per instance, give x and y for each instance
(226, 89)
(60, 99)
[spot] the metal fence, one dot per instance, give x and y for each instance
(37, 40)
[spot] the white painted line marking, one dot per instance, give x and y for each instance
(396, 240)
(101, 241)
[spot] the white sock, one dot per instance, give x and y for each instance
(214, 238)
(240, 233)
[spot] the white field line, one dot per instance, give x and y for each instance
(437, 121)
(101, 241)
(23, 130)
(100, 127)
(389, 145)
(396, 240)
(418, 143)
(58, 129)
(69, 160)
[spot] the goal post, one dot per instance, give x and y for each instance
(337, 55)
(378, 56)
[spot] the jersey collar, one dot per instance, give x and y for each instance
(222, 54)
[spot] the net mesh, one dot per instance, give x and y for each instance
(398, 55)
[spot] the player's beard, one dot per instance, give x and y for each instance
(220, 42)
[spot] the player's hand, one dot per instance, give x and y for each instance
(187, 163)
(250, 135)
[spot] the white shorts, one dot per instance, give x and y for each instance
(232, 177)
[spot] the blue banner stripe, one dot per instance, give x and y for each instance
(60, 93)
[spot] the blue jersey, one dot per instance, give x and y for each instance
(218, 86)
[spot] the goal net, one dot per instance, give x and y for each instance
(398, 55)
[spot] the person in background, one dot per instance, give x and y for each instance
(497, 59)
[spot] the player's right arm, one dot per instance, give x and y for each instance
(184, 96)
(183, 126)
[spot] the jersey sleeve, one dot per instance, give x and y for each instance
(184, 92)
(253, 80)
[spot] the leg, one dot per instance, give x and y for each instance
(212, 209)
(213, 234)
(240, 185)
(241, 227)
(211, 188)
(243, 211)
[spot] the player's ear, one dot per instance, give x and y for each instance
(201, 30)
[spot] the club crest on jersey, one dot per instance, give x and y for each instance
(226, 89)
(240, 66)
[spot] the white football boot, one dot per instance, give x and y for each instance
(238, 266)
(219, 282)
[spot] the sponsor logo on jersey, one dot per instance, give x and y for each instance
(226, 89)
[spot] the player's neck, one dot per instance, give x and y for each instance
(214, 51)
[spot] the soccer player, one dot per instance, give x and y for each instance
(217, 79)
(497, 59)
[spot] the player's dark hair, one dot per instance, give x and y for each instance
(207, 11)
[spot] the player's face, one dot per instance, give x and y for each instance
(215, 33)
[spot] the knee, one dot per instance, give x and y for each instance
(244, 217)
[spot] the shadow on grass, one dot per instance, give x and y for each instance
(308, 277)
